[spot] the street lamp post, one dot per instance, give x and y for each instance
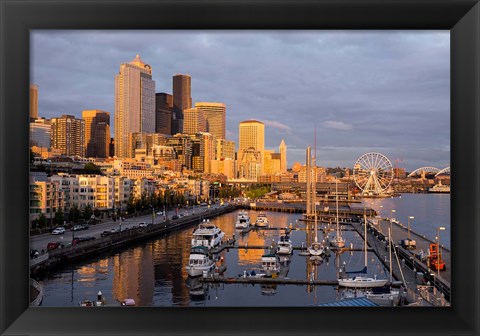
(391, 220)
(439, 257)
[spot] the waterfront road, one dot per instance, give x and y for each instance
(40, 242)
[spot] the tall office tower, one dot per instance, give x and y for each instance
(40, 133)
(97, 133)
(33, 102)
(182, 144)
(163, 113)
(224, 149)
(68, 134)
(215, 115)
(194, 121)
(283, 156)
(182, 100)
(134, 103)
(251, 140)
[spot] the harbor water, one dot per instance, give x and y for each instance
(153, 273)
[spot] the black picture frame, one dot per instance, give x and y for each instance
(18, 17)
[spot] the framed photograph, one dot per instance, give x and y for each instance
(263, 294)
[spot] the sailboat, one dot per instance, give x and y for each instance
(315, 249)
(337, 240)
(362, 281)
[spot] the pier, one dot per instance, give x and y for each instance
(264, 280)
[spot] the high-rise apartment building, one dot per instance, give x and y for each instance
(97, 133)
(163, 113)
(215, 116)
(194, 121)
(283, 156)
(252, 140)
(68, 135)
(33, 102)
(182, 100)
(134, 103)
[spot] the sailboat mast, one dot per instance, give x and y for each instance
(365, 235)
(336, 198)
(390, 251)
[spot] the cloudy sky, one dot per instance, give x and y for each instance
(386, 92)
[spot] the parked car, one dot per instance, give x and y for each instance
(54, 246)
(59, 230)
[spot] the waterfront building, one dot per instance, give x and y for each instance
(283, 156)
(33, 102)
(132, 168)
(97, 133)
(163, 113)
(68, 134)
(182, 100)
(194, 121)
(40, 133)
(144, 186)
(251, 148)
(215, 117)
(46, 197)
(134, 103)
(123, 188)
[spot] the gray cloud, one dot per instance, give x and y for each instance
(365, 91)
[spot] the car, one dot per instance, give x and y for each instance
(174, 217)
(59, 230)
(160, 213)
(79, 227)
(55, 245)
(105, 233)
(143, 224)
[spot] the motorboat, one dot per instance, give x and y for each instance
(316, 249)
(243, 220)
(270, 265)
(128, 303)
(207, 234)
(200, 261)
(99, 302)
(262, 220)
(284, 245)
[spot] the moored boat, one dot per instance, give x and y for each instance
(207, 234)
(270, 265)
(200, 260)
(243, 220)
(284, 245)
(262, 220)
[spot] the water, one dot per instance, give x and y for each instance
(430, 211)
(153, 273)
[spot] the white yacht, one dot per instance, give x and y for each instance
(207, 234)
(284, 245)
(243, 220)
(270, 265)
(362, 282)
(262, 220)
(200, 260)
(316, 249)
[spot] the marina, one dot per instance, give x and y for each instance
(159, 264)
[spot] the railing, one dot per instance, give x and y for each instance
(431, 295)
(38, 260)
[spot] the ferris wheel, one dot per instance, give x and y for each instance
(373, 173)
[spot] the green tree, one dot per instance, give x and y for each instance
(91, 168)
(87, 212)
(42, 221)
(131, 204)
(74, 215)
(59, 217)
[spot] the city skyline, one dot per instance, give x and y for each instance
(378, 91)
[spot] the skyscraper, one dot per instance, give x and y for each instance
(182, 100)
(40, 133)
(194, 121)
(68, 135)
(97, 133)
(251, 147)
(163, 113)
(134, 103)
(215, 115)
(33, 102)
